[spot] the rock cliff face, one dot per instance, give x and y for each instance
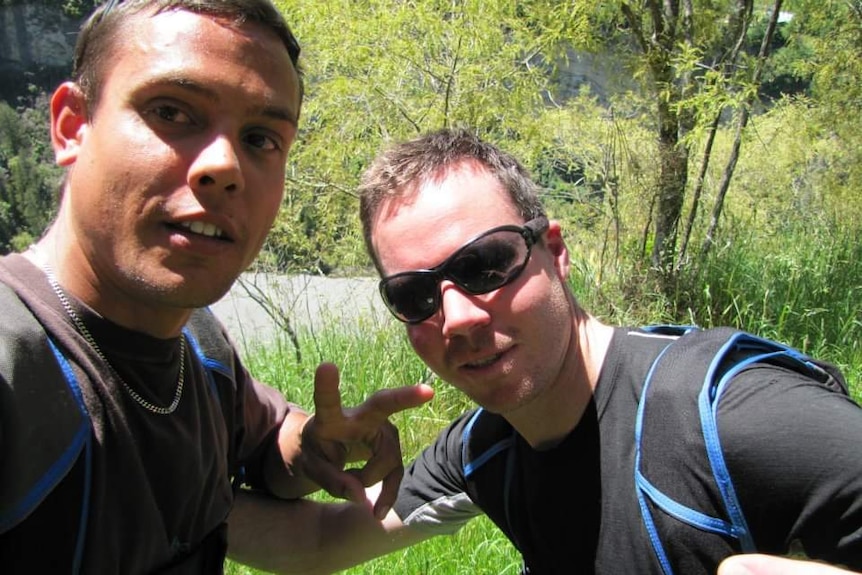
(36, 46)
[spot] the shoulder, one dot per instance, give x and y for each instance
(40, 405)
(789, 406)
(443, 462)
(205, 326)
(25, 343)
(211, 341)
(628, 359)
(18, 320)
(433, 494)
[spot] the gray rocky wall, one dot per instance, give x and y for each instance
(36, 46)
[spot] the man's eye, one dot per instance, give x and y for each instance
(171, 114)
(262, 142)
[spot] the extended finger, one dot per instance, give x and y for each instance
(327, 397)
(386, 402)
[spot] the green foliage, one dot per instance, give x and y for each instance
(74, 8)
(384, 70)
(78, 8)
(28, 178)
(380, 70)
(786, 263)
(831, 32)
(782, 75)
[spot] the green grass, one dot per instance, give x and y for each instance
(802, 286)
(478, 549)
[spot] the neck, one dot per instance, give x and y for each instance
(74, 274)
(552, 416)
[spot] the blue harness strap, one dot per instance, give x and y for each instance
(44, 425)
(736, 352)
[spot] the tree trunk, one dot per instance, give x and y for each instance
(673, 175)
(730, 167)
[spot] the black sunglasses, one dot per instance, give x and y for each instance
(485, 263)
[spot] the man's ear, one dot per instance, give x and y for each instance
(557, 246)
(69, 122)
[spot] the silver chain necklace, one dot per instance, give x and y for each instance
(82, 329)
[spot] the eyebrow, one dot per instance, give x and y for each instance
(280, 113)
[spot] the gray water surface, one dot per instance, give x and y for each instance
(310, 302)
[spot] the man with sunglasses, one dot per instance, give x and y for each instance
(131, 435)
(478, 273)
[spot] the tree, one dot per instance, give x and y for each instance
(696, 69)
(382, 70)
(379, 70)
(28, 177)
(830, 33)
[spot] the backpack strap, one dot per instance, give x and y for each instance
(477, 447)
(713, 357)
(44, 424)
(216, 353)
(210, 345)
(487, 436)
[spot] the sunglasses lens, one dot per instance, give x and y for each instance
(489, 263)
(411, 297)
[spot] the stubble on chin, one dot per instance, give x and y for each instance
(171, 290)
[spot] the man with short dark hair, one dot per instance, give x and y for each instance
(128, 425)
(565, 454)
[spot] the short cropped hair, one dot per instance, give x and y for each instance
(403, 168)
(99, 33)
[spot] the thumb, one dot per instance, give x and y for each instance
(736, 565)
(756, 564)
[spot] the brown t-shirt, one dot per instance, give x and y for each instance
(159, 485)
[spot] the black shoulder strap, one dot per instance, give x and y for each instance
(216, 353)
(712, 358)
(210, 342)
(44, 425)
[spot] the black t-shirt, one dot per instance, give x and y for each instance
(792, 448)
(560, 531)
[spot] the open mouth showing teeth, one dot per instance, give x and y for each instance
(204, 229)
(484, 362)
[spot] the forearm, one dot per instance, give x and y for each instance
(310, 538)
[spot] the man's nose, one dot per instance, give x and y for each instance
(217, 167)
(462, 312)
